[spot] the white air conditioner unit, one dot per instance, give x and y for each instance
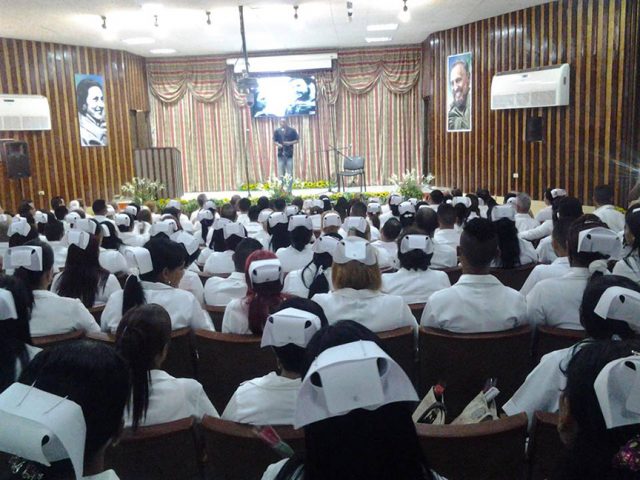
(540, 87)
(24, 112)
(284, 63)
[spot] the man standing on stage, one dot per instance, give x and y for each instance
(285, 138)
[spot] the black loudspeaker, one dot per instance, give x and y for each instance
(535, 126)
(16, 154)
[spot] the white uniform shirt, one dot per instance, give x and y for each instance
(387, 253)
(102, 295)
(191, 283)
(292, 259)
(172, 399)
(448, 236)
(59, 254)
(414, 286)
(294, 285)
(386, 216)
(444, 256)
(219, 262)
(113, 261)
(205, 253)
(53, 314)
(243, 218)
(628, 267)
(543, 386)
(236, 318)
(184, 309)
(375, 310)
(528, 255)
(524, 222)
(541, 231)
(545, 214)
(558, 268)
(612, 217)
(545, 251)
(475, 304)
(133, 239)
(220, 291)
(268, 400)
(556, 301)
(185, 223)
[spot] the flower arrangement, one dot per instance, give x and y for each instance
(410, 184)
(140, 190)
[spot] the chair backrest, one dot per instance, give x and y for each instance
(167, 451)
(217, 314)
(493, 450)
(235, 452)
(550, 339)
(96, 311)
(49, 341)
(226, 360)
(400, 344)
(181, 359)
(545, 449)
(463, 362)
(454, 274)
(417, 309)
(513, 277)
(353, 163)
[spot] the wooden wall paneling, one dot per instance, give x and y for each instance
(584, 143)
(59, 164)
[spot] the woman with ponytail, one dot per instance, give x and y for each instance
(315, 277)
(160, 266)
(142, 339)
(299, 253)
(246, 316)
(513, 250)
(629, 266)
(277, 227)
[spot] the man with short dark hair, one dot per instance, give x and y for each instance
(285, 138)
(605, 210)
(447, 233)
(444, 256)
(478, 302)
(243, 210)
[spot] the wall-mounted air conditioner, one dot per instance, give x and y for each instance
(24, 112)
(539, 87)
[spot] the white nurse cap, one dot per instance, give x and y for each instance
(617, 388)
(416, 242)
(25, 256)
(355, 248)
(300, 221)
(290, 325)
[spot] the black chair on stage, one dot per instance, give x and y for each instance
(352, 167)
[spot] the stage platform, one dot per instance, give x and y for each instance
(371, 190)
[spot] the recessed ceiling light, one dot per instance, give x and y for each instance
(138, 40)
(377, 39)
(382, 27)
(162, 51)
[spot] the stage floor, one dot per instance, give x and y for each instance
(371, 190)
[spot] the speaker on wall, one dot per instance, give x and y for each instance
(16, 156)
(535, 126)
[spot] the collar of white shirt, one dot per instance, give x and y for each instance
(273, 381)
(578, 272)
(561, 261)
(236, 276)
(155, 286)
(352, 292)
(467, 279)
(44, 294)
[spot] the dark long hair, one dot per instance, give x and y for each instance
(261, 298)
(633, 224)
(14, 333)
(508, 242)
(142, 335)
(322, 261)
(112, 242)
(165, 253)
(30, 278)
(83, 277)
(217, 243)
(300, 238)
(206, 225)
(279, 236)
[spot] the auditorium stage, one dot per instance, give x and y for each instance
(371, 190)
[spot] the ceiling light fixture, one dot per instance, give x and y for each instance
(295, 9)
(405, 16)
(349, 11)
(384, 27)
(162, 51)
(377, 39)
(104, 22)
(208, 17)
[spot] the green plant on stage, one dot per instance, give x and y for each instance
(274, 183)
(410, 184)
(188, 206)
(140, 190)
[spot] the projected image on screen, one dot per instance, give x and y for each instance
(284, 96)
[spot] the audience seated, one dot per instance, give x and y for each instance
(244, 204)
(356, 291)
(556, 301)
(524, 220)
(255, 228)
(215, 240)
(513, 251)
(562, 206)
(394, 201)
(129, 233)
(331, 222)
(478, 302)
(271, 399)
(446, 234)
(142, 339)
(247, 315)
(222, 262)
(603, 319)
(190, 281)
(220, 291)
(278, 228)
(444, 256)
(546, 213)
(414, 281)
(629, 266)
(315, 277)
(54, 232)
(605, 210)
(71, 400)
(387, 246)
(299, 253)
(565, 207)
(160, 264)
(111, 259)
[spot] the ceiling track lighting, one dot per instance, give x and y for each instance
(350, 11)
(104, 22)
(405, 16)
(155, 21)
(295, 10)
(208, 17)
(405, 8)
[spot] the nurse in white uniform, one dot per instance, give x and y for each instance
(190, 280)
(331, 222)
(214, 241)
(315, 277)
(142, 339)
(629, 266)
(604, 316)
(415, 282)
(299, 253)
(160, 264)
(125, 222)
(271, 399)
(51, 314)
(356, 296)
(514, 251)
(47, 408)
